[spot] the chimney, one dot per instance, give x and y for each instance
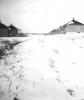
(73, 18)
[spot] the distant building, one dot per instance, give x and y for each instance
(3, 30)
(9, 31)
(13, 31)
(71, 26)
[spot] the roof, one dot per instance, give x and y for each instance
(12, 27)
(2, 25)
(73, 22)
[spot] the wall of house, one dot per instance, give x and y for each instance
(4, 32)
(74, 28)
(13, 32)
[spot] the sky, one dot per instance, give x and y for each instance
(40, 15)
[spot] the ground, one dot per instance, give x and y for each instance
(42, 67)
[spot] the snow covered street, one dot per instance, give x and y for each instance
(47, 67)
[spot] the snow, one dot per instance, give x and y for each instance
(44, 67)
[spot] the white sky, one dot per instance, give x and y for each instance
(40, 15)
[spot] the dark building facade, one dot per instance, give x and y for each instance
(3, 30)
(8, 31)
(13, 31)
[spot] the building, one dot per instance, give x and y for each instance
(13, 31)
(71, 26)
(9, 31)
(74, 26)
(3, 30)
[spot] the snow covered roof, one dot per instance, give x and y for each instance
(12, 27)
(2, 25)
(73, 22)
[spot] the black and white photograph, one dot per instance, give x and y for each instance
(41, 50)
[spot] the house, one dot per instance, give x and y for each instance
(71, 26)
(74, 26)
(9, 31)
(3, 30)
(13, 31)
